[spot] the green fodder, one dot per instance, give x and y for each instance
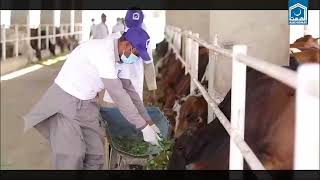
(160, 160)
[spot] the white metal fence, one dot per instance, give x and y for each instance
(50, 34)
(306, 81)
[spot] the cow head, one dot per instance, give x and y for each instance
(189, 124)
(306, 42)
(192, 115)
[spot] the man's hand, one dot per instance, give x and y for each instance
(149, 135)
(155, 128)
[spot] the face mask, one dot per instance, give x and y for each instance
(129, 60)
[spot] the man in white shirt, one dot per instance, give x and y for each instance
(100, 31)
(68, 114)
(119, 27)
(137, 71)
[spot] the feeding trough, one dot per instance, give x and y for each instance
(127, 148)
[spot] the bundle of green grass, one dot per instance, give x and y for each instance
(137, 147)
(160, 160)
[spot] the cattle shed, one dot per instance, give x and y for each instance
(35, 43)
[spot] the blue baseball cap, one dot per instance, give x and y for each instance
(134, 18)
(139, 39)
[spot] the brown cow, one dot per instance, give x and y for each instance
(311, 55)
(204, 146)
(269, 128)
(207, 147)
(306, 42)
(196, 107)
(162, 48)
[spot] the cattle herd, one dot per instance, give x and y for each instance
(270, 112)
(32, 51)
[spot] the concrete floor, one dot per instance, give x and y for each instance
(21, 150)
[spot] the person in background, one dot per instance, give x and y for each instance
(91, 28)
(119, 27)
(100, 31)
(135, 71)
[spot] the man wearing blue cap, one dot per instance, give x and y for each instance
(136, 71)
(68, 115)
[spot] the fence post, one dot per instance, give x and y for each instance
(16, 29)
(238, 98)
(80, 30)
(61, 31)
(210, 77)
(72, 22)
(194, 61)
(167, 30)
(54, 34)
(183, 47)
(39, 37)
(174, 38)
(305, 30)
(28, 33)
(306, 150)
(3, 37)
(47, 36)
(188, 51)
(179, 41)
(172, 34)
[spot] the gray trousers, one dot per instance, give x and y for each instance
(75, 134)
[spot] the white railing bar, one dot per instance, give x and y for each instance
(24, 25)
(47, 37)
(306, 146)
(179, 57)
(246, 151)
(42, 37)
(286, 76)
(17, 41)
(238, 105)
(3, 38)
(39, 38)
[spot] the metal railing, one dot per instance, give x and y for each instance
(50, 35)
(307, 118)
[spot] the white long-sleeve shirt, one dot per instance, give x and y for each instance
(100, 31)
(119, 27)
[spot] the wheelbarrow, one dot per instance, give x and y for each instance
(124, 140)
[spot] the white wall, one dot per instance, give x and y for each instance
(19, 16)
(78, 16)
(65, 17)
(47, 16)
(194, 20)
(266, 33)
